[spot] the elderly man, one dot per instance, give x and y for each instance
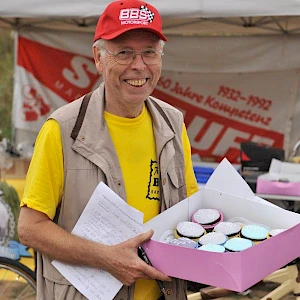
(117, 134)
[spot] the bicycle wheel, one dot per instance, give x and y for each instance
(16, 280)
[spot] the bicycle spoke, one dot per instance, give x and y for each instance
(16, 281)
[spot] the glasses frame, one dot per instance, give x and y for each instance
(134, 54)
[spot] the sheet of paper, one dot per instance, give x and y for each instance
(109, 220)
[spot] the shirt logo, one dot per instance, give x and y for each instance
(153, 185)
(141, 15)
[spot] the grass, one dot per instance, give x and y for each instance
(6, 82)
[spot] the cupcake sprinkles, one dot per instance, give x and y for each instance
(254, 232)
(184, 242)
(228, 228)
(237, 244)
(189, 230)
(214, 238)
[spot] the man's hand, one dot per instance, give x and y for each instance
(123, 262)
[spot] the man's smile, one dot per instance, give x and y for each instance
(136, 82)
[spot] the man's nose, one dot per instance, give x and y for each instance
(138, 62)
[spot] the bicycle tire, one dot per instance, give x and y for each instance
(17, 281)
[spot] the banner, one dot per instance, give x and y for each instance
(221, 109)
(48, 78)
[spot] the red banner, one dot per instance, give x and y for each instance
(209, 132)
(67, 74)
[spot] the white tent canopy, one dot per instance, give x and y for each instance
(174, 8)
(192, 17)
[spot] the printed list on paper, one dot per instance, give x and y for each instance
(109, 220)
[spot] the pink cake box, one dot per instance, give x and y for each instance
(283, 178)
(236, 271)
(268, 185)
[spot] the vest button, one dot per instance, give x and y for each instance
(82, 138)
(164, 181)
(119, 184)
(169, 292)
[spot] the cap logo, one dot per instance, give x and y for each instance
(130, 16)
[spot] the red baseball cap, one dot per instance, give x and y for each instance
(125, 15)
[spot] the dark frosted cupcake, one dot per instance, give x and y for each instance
(189, 230)
(215, 238)
(207, 217)
(228, 228)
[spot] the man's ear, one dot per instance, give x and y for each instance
(97, 59)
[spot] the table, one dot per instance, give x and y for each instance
(278, 197)
(288, 202)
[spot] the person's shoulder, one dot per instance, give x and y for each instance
(166, 106)
(69, 110)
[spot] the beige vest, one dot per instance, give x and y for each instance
(91, 158)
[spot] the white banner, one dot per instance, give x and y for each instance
(223, 103)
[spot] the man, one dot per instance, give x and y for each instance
(134, 143)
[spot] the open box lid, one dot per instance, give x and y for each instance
(227, 191)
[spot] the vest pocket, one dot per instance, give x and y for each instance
(176, 177)
(177, 186)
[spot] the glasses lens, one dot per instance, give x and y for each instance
(149, 56)
(124, 57)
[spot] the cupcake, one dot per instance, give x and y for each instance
(255, 232)
(237, 244)
(207, 218)
(167, 236)
(184, 242)
(228, 228)
(274, 232)
(189, 230)
(212, 248)
(215, 238)
(240, 220)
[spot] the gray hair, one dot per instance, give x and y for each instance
(100, 45)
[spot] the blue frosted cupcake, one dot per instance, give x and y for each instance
(212, 248)
(184, 242)
(237, 244)
(255, 232)
(189, 230)
(215, 238)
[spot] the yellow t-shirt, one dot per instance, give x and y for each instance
(135, 146)
(45, 176)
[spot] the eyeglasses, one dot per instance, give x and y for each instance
(127, 56)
